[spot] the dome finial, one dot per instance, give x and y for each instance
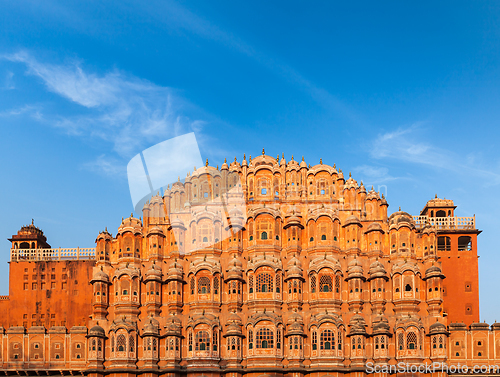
(436, 196)
(321, 161)
(225, 161)
(350, 176)
(263, 152)
(206, 163)
(399, 208)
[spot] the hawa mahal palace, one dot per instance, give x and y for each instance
(266, 267)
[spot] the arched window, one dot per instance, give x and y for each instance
(121, 343)
(202, 341)
(325, 283)
(314, 341)
(323, 237)
(400, 341)
(327, 340)
(313, 283)
(203, 285)
(408, 288)
(192, 285)
(264, 338)
(263, 236)
(264, 282)
(411, 340)
(131, 343)
(190, 340)
(250, 339)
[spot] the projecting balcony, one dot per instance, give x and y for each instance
(73, 253)
(449, 223)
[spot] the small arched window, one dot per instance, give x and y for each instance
(263, 236)
(323, 237)
(408, 288)
(202, 341)
(203, 285)
(264, 338)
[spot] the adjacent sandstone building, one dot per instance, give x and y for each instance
(266, 267)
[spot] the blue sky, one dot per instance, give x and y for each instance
(404, 95)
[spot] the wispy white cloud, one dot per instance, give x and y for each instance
(106, 165)
(124, 110)
(27, 109)
(9, 81)
(406, 144)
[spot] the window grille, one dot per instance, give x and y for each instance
(313, 283)
(203, 285)
(121, 343)
(411, 340)
(264, 282)
(202, 341)
(325, 283)
(327, 339)
(264, 338)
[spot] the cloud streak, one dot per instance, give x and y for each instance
(121, 109)
(405, 144)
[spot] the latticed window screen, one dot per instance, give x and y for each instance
(323, 231)
(278, 339)
(441, 342)
(434, 343)
(203, 285)
(155, 344)
(216, 284)
(190, 340)
(325, 283)
(264, 282)
(277, 228)
(131, 343)
(121, 343)
(112, 343)
(337, 283)
(411, 340)
(192, 285)
(400, 341)
(250, 283)
(264, 227)
(202, 341)
(278, 282)
(215, 340)
(250, 339)
(265, 338)
(339, 339)
(147, 344)
(314, 340)
(313, 283)
(289, 286)
(327, 340)
(360, 343)
(382, 341)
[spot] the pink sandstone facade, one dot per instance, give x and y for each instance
(299, 272)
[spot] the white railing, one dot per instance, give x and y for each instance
(446, 222)
(72, 253)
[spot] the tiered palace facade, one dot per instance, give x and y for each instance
(268, 267)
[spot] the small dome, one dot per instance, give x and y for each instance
(433, 271)
(224, 165)
(377, 270)
(175, 271)
(374, 227)
(100, 276)
(235, 269)
(303, 163)
(351, 220)
(294, 268)
(153, 273)
(354, 269)
(97, 331)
